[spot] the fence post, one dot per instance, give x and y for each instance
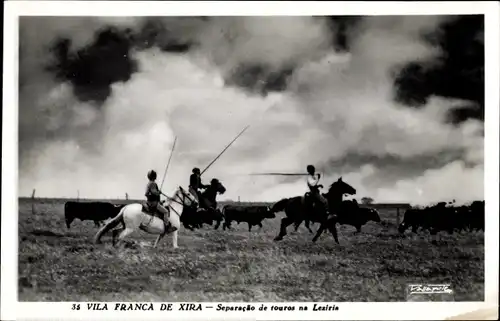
(397, 216)
(239, 200)
(126, 196)
(33, 202)
(77, 195)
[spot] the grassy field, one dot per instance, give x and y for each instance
(56, 264)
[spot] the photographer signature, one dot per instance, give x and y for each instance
(429, 288)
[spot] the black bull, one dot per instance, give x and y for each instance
(90, 211)
(253, 215)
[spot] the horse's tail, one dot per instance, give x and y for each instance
(280, 205)
(109, 225)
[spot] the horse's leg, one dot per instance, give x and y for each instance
(158, 239)
(217, 224)
(358, 228)
(96, 223)
(332, 227)
(285, 222)
(297, 224)
(174, 238)
(307, 226)
(260, 225)
(188, 226)
(249, 227)
(320, 231)
(124, 233)
(115, 233)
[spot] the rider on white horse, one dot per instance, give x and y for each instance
(153, 196)
(314, 186)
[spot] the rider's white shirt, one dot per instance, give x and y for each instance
(312, 180)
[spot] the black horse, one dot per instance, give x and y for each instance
(350, 213)
(207, 213)
(209, 202)
(297, 209)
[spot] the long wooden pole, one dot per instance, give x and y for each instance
(166, 168)
(208, 166)
(278, 174)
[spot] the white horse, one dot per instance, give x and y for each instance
(133, 218)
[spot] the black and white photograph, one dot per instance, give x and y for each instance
(231, 158)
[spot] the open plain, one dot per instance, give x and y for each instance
(57, 264)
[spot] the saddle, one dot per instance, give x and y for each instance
(312, 204)
(309, 200)
(147, 209)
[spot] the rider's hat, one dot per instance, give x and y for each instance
(152, 175)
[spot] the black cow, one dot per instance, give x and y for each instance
(414, 218)
(92, 211)
(252, 215)
(359, 217)
(476, 217)
(433, 219)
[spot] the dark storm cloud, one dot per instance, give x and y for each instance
(458, 73)
(93, 69)
(393, 167)
(168, 34)
(259, 78)
(388, 167)
(342, 28)
(262, 78)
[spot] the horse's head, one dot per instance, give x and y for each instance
(340, 188)
(184, 197)
(217, 185)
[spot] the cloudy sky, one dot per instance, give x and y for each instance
(394, 105)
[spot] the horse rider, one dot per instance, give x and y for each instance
(314, 186)
(195, 184)
(153, 196)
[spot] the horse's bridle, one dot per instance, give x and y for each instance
(184, 196)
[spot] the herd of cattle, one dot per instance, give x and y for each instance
(440, 217)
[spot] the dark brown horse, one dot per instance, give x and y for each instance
(297, 210)
(207, 212)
